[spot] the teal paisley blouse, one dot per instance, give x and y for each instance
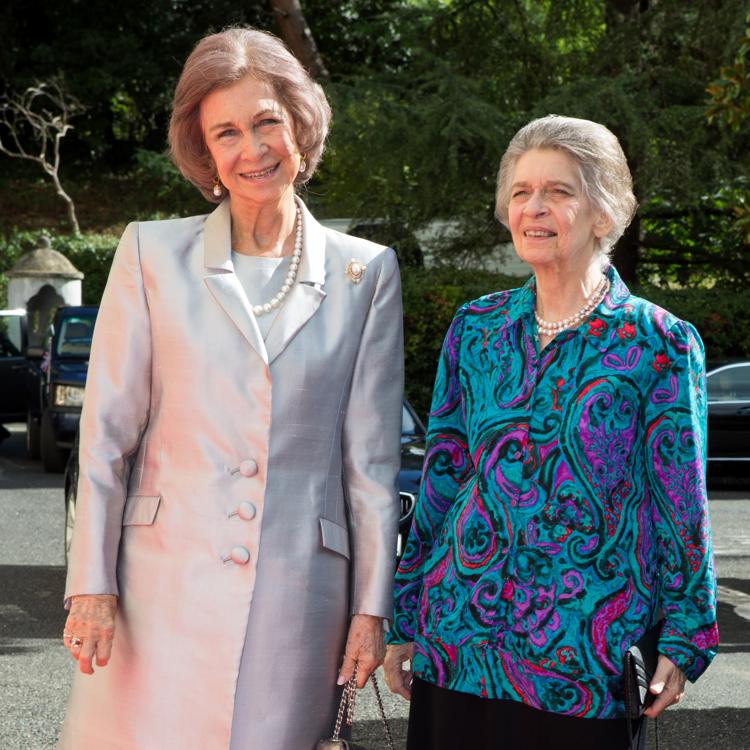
(563, 505)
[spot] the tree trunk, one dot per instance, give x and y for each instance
(71, 206)
(296, 33)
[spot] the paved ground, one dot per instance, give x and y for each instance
(35, 669)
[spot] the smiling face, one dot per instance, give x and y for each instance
(250, 137)
(550, 219)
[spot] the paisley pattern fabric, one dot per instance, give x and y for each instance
(563, 506)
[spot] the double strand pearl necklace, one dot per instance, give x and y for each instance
(592, 301)
(291, 275)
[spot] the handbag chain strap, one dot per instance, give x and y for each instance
(386, 728)
(346, 704)
(345, 714)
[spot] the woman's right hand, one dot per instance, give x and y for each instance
(397, 678)
(90, 628)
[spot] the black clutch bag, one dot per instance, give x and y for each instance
(639, 666)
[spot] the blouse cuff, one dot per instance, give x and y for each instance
(691, 655)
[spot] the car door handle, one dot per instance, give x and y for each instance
(744, 410)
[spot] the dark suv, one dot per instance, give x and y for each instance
(15, 369)
(55, 413)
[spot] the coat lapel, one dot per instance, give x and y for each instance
(221, 280)
(306, 295)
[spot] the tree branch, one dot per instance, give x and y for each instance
(40, 114)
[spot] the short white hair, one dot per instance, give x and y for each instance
(605, 177)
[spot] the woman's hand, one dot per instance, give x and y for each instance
(397, 678)
(364, 647)
(668, 685)
(89, 630)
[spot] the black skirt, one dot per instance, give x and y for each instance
(441, 719)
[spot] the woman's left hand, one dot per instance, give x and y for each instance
(364, 647)
(668, 685)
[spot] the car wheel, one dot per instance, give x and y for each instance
(32, 437)
(70, 518)
(53, 458)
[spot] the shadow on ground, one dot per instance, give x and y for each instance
(32, 602)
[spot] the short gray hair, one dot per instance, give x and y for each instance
(605, 177)
(222, 59)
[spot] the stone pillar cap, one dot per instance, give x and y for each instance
(42, 260)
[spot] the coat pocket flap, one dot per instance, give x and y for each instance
(335, 537)
(140, 510)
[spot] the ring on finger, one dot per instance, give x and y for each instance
(75, 641)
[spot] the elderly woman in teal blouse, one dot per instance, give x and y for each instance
(563, 506)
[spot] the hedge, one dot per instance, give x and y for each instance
(431, 297)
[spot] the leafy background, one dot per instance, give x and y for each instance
(426, 95)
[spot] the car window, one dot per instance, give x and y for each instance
(75, 336)
(729, 384)
(408, 424)
(10, 336)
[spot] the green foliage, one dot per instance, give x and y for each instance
(121, 62)
(418, 134)
(729, 107)
(431, 160)
(90, 253)
(359, 36)
(426, 95)
(127, 121)
(719, 314)
(156, 172)
(699, 244)
(420, 139)
(432, 297)
(729, 103)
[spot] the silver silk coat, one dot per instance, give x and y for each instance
(238, 495)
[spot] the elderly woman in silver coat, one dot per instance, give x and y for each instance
(237, 511)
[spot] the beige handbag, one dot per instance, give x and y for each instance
(345, 715)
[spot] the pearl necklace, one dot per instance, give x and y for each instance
(291, 276)
(592, 301)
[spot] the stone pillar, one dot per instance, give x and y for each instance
(42, 280)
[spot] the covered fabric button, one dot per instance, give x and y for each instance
(240, 555)
(246, 511)
(248, 468)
